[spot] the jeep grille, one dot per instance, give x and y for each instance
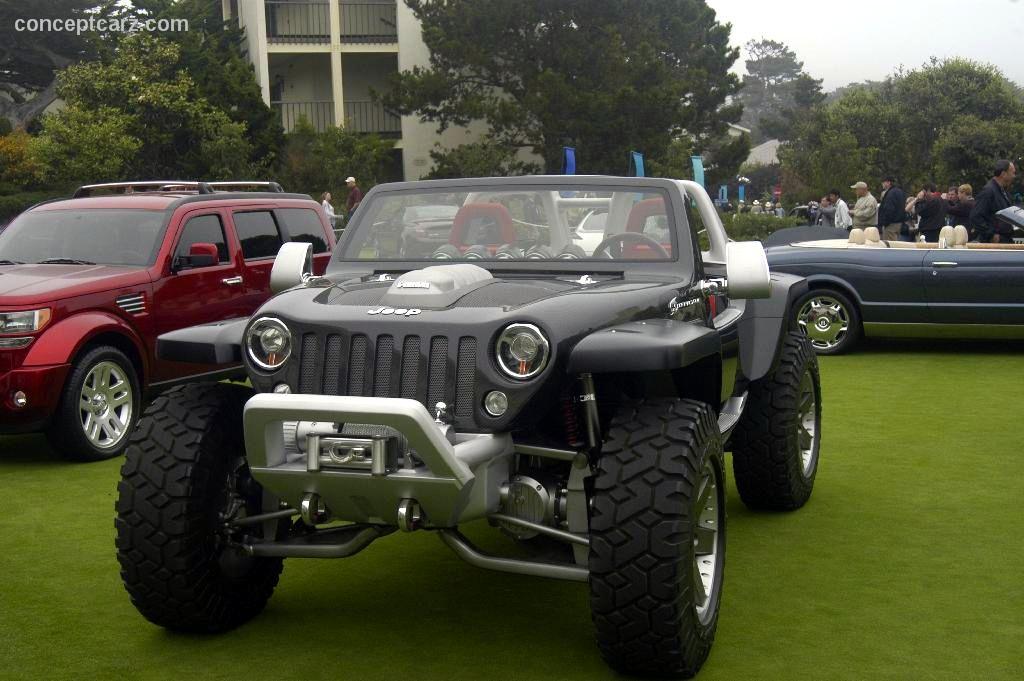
(429, 369)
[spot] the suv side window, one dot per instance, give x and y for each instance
(258, 233)
(203, 229)
(303, 225)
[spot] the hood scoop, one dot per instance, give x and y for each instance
(435, 287)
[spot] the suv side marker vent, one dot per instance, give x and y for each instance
(134, 303)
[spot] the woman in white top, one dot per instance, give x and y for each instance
(328, 208)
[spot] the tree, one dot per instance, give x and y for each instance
(485, 158)
(211, 52)
(722, 158)
(315, 162)
(775, 89)
(29, 62)
(83, 144)
(179, 133)
(605, 76)
(947, 121)
(19, 167)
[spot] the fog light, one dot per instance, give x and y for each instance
(496, 403)
(282, 389)
(20, 399)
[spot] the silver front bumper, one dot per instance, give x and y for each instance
(456, 483)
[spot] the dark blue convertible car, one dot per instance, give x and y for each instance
(863, 286)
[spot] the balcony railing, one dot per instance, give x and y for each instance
(371, 117)
(319, 114)
(369, 22)
(298, 22)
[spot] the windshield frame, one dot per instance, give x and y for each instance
(158, 236)
(684, 263)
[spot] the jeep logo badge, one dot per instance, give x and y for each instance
(401, 311)
(413, 284)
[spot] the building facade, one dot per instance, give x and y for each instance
(320, 59)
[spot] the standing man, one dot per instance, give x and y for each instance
(865, 211)
(842, 219)
(355, 196)
(992, 199)
(826, 213)
(891, 210)
(931, 208)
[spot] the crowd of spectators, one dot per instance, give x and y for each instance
(921, 216)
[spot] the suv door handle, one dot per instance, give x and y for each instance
(232, 281)
(944, 263)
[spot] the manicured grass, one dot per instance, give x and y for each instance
(905, 564)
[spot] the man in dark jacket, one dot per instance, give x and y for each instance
(930, 207)
(992, 199)
(891, 210)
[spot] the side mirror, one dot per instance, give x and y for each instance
(746, 270)
(293, 265)
(199, 255)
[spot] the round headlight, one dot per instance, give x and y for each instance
(522, 351)
(269, 343)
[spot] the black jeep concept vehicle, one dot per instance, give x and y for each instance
(578, 399)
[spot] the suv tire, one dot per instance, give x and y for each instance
(775, 445)
(98, 408)
(185, 466)
(660, 477)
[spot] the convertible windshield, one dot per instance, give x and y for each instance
(514, 223)
(98, 236)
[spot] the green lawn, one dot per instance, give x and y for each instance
(907, 563)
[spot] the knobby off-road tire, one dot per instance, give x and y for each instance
(184, 469)
(658, 522)
(98, 408)
(775, 445)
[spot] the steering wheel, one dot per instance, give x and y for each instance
(625, 237)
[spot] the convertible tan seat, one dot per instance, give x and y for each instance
(856, 237)
(873, 238)
(960, 237)
(946, 237)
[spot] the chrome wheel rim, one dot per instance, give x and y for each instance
(707, 541)
(825, 321)
(105, 405)
(807, 425)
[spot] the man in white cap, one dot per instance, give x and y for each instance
(756, 208)
(355, 196)
(865, 211)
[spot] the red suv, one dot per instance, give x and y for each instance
(88, 283)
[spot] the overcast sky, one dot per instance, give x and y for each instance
(843, 42)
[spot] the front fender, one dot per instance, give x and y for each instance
(650, 345)
(764, 323)
(215, 343)
(59, 343)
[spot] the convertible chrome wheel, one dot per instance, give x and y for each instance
(707, 545)
(105, 405)
(807, 424)
(825, 320)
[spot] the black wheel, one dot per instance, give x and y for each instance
(98, 407)
(829, 319)
(477, 253)
(775, 445)
(657, 538)
(540, 252)
(446, 252)
(572, 252)
(508, 252)
(184, 475)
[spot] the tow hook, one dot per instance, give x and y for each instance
(410, 515)
(313, 510)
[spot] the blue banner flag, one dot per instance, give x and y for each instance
(698, 170)
(636, 164)
(568, 160)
